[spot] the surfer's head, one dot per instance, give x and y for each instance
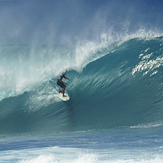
(64, 73)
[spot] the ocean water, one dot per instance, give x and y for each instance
(112, 51)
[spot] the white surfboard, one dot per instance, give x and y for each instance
(64, 98)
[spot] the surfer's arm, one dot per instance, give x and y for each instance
(66, 77)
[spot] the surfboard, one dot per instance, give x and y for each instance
(64, 98)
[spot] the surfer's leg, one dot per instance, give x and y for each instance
(63, 88)
(63, 91)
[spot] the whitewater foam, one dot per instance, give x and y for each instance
(70, 155)
(148, 62)
(149, 125)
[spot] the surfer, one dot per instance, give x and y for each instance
(62, 84)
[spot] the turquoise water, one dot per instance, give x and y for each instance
(121, 88)
(113, 54)
(114, 113)
(128, 144)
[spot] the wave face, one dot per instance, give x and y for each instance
(115, 88)
(112, 52)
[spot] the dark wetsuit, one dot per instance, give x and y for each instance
(60, 83)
